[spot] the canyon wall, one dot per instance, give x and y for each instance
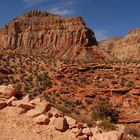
(42, 33)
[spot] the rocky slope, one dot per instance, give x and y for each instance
(35, 119)
(125, 48)
(76, 88)
(42, 33)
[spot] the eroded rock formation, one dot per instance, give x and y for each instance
(39, 32)
(125, 48)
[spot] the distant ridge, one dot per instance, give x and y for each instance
(125, 48)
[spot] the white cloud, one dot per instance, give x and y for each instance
(41, 3)
(58, 7)
(63, 7)
(34, 2)
(101, 34)
(59, 11)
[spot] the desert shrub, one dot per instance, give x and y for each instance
(104, 110)
(89, 100)
(76, 112)
(18, 86)
(132, 131)
(114, 82)
(87, 121)
(84, 80)
(69, 103)
(62, 108)
(107, 125)
(78, 102)
(47, 97)
(124, 71)
(44, 79)
(130, 84)
(108, 76)
(39, 89)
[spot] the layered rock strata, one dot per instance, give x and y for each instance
(42, 33)
(125, 48)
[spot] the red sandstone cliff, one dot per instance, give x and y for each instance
(38, 32)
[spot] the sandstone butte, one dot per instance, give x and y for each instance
(42, 33)
(125, 48)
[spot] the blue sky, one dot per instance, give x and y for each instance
(106, 18)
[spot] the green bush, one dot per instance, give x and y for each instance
(44, 79)
(107, 125)
(104, 110)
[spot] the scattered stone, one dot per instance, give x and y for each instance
(2, 104)
(43, 114)
(27, 106)
(75, 130)
(80, 125)
(112, 135)
(42, 119)
(16, 103)
(61, 124)
(82, 137)
(52, 120)
(87, 131)
(35, 101)
(56, 112)
(49, 114)
(40, 108)
(43, 107)
(7, 92)
(95, 131)
(78, 133)
(33, 113)
(71, 122)
(85, 125)
(27, 98)
(22, 104)
(9, 101)
(22, 111)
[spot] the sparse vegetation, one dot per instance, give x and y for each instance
(62, 108)
(72, 91)
(107, 125)
(132, 131)
(104, 110)
(26, 73)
